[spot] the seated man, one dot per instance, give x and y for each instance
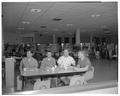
(48, 62)
(29, 61)
(84, 64)
(65, 62)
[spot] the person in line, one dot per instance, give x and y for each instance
(110, 48)
(65, 62)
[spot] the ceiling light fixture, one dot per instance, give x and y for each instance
(25, 22)
(95, 15)
(57, 19)
(35, 10)
(104, 27)
(20, 28)
(69, 25)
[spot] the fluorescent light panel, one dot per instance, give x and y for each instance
(35, 10)
(25, 22)
(19, 28)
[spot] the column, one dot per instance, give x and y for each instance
(9, 73)
(77, 37)
(91, 40)
(91, 37)
(54, 39)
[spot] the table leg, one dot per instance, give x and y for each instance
(23, 83)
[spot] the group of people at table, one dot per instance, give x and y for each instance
(65, 61)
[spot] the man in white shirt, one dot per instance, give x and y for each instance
(65, 61)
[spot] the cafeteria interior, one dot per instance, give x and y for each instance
(37, 38)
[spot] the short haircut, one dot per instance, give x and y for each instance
(30, 51)
(66, 49)
(49, 51)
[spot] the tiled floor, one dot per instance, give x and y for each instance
(105, 70)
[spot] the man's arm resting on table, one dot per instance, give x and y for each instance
(82, 69)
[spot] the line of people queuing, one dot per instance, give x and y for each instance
(106, 51)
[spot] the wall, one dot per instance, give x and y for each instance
(28, 38)
(63, 36)
(84, 38)
(111, 38)
(114, 39)
(14, 38)
(11, 38)
(43, 38)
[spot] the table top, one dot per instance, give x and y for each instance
(57, 71)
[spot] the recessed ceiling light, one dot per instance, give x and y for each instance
(92, 15)
(95, 15)
(57, 19)
(69, 25)
(35, 10)
(20, 28)
(104, 26)
(25, 22)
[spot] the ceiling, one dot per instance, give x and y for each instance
(90, 17)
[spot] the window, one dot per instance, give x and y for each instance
(66, 39)
(59, 40)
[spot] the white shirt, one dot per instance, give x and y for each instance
(66, 61)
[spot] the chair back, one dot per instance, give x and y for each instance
(42, 85)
